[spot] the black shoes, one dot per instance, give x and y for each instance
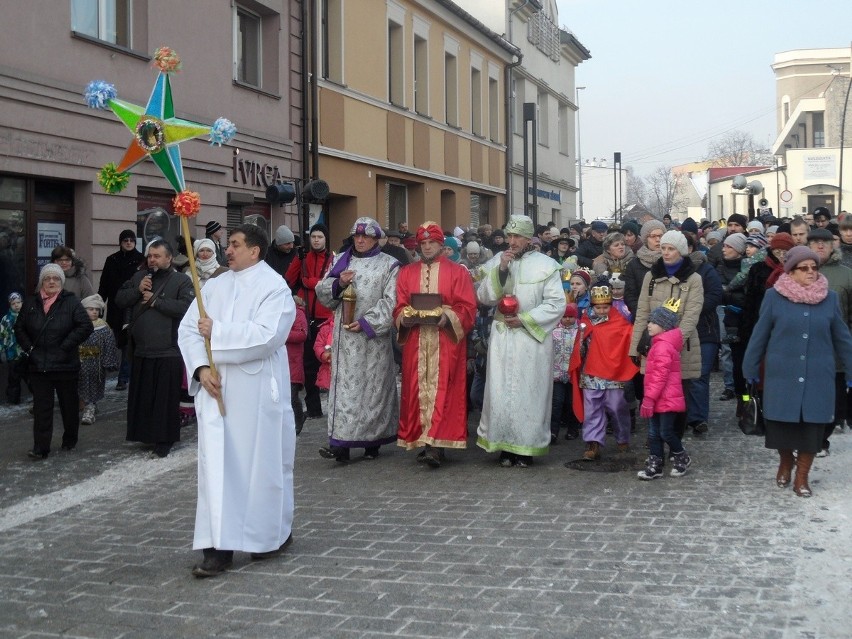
(431, 456)
(699, 428)
(121, 386)
(338, 453)
(371, 453)
(259, 556)
(35, 454)
(727, 395)
(214, 563)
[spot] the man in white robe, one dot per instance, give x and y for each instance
(519, 384)
(245, 458)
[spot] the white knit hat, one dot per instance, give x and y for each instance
(50, 269)
(676, 239)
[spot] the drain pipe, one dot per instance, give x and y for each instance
(510, 117)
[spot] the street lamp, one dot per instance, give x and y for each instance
(579, 155)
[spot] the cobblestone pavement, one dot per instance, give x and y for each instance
(97, 543)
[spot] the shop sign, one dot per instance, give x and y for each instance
(254, 174)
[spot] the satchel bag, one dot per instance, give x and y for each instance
(751, 417)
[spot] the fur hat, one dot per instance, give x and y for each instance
(736, 241)
(676, 239)
(93, 301)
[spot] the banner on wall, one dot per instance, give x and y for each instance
(819, 166)
(49, 235)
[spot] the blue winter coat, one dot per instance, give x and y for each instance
(798, 342)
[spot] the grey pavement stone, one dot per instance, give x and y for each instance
(97, 544)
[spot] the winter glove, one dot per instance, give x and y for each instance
(646, 410)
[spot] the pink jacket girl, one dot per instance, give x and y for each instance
(322, 349)
(663, 389)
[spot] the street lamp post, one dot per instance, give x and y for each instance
(579, 156)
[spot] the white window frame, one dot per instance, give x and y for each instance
(237, 9)
(421, 33)
(103, 26)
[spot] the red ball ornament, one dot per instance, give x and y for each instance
(508, 305)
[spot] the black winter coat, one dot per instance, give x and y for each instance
(708, 323)
(118, 268)
(154, 332)
(54, 337)
(588, 250)
(734, 301)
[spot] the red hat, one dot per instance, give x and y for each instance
(430, 231)
(410, 243)
(782, 241)
(570, 310)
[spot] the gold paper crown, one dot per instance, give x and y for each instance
(672, 305)
(600, 295)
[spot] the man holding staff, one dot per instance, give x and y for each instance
(245, 457)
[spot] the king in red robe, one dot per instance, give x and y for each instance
(433, 405)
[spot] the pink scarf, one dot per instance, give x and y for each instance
(47, 300)
(795, 292)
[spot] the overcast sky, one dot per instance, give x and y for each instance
(667, 76)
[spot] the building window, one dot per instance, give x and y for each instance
(256, 35)
(476, 101)
(396, 64)
(519, 96)
(480, 209)
(451, 92)
(565, 119)
(542, 118)
(493, 110)
(248, 53)
(107, 20)
(421, 75)
(818, 122)
(396, 204)
(786, 115)
(332, 40)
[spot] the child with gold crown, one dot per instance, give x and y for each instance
(600, 366)
(663, 392)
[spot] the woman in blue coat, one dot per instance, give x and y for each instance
(798, 331)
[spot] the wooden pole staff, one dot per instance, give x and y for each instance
(190, 253)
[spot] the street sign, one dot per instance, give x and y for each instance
(786, 196)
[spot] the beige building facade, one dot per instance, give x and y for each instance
(411, 114)
(238, 62)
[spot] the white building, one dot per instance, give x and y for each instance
(544, 78)
(602, 194)
(813, 167)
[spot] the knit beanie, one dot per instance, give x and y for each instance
(799, 254)
(630, 226)
(757, 239)
(664, 318)
(772, 229)
(126, 234)
(755, 224)
(15, 296)
(676, 239)
(453, 243)
(689, 225)
(783, 241)
(211, 227)
(51, 269)
(736, 241)
(571, 310)
(719, 236)
(738, 218)
(283, 235)
(198, 244)
(649, 226)
(583, 275)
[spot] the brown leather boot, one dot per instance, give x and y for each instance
(785, 468)
(803, 467)
(592, 452)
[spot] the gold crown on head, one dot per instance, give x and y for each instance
(672, 305)
(600, 295)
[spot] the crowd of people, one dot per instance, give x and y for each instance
(580, 329)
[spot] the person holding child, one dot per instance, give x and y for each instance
(98, 354)
(664, 397)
